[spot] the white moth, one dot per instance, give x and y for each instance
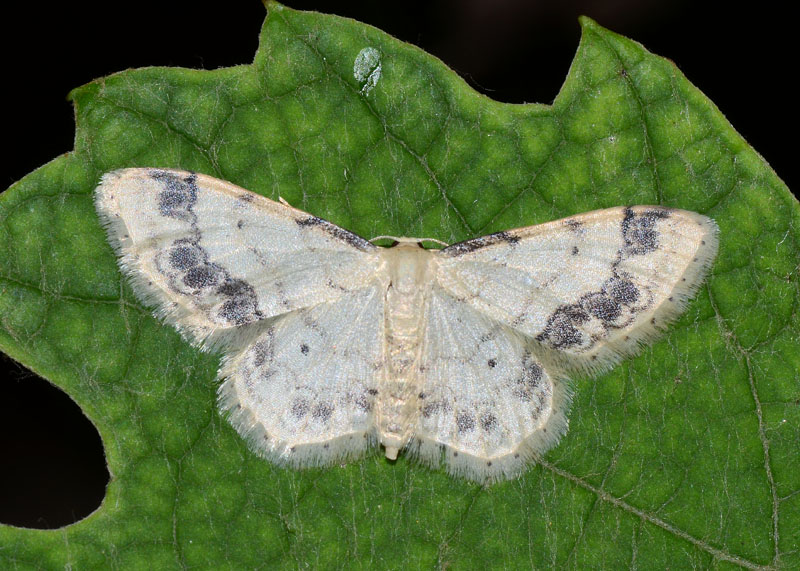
(332, 344)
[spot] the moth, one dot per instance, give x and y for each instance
(333, 345)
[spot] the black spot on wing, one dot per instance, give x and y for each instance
(488, 421)
(262, 351)
(465, 422)
(532, 371)
(201, 277)
(363, 403)
(602, 306)
(639, 230)
(241, 304)
(186, 265)
(184, 255)
(299, 408)
(561, 330)
(616, 297)
(529, 382)
(468, 246)
(322, 412)
(435, 408)
(621, 290)
(336, 232)
(178, 195)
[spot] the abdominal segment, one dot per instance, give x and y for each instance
(404, 318)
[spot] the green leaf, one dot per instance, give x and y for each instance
(688, 455)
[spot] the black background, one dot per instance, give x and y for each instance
(52, 470)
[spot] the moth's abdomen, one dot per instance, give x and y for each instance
(404, 319)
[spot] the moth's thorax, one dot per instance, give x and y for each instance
(409, 271)
(408, 265)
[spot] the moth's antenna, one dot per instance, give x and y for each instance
(443, 244)
(392, 238)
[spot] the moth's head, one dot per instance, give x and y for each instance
(403, 242)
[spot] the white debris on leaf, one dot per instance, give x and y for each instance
(333, 345)
(367, 69)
